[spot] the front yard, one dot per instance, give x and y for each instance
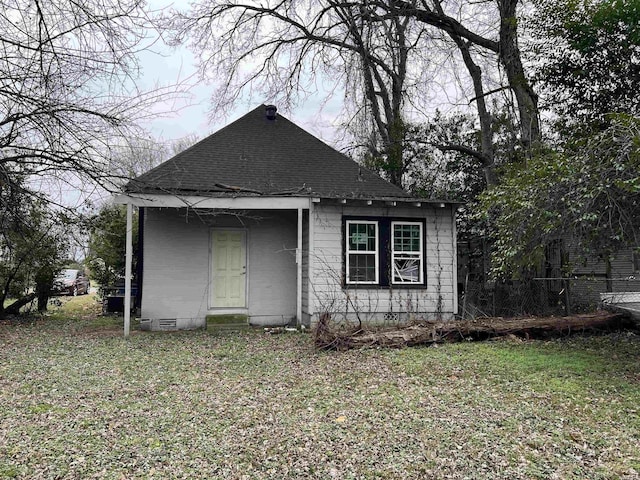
(79, 401)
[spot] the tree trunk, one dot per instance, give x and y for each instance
(486, 127)
(384, 89)
(395, 153)
(43, 298)
(14, 308)
(526, 98)
(44, 281)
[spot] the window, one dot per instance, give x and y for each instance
(406, 253)
(384, 251)
(362, 252)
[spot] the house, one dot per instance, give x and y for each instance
(567, 281)
(264, 221)
(591, 276)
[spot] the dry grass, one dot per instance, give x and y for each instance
(78, 401)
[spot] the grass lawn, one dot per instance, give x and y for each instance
(79, 401)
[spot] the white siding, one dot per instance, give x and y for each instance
(438, 298)
(177, 265)
(175, 282)
(272, 268)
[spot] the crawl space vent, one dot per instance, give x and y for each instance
(167, 324)
(391, 317)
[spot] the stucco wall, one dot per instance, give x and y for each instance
(175, 282)
(272, 268)
(177, 265)
(438, 298)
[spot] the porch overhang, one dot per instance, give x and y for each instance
(268, 202)
(196, 201)
(201, 202)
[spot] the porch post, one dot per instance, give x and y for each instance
(311, 296)
(455, 260)
(127, 271)
(299, 274)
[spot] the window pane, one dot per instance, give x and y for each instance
(407, 253)
(406, 238)
(406, 270)
(362, 237)
(371, 237)
(362, 267)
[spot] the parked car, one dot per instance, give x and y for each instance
(71, 282)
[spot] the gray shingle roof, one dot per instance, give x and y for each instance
(258, 156)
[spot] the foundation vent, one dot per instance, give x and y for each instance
(167, 324)
(391, 317)
(156, 324)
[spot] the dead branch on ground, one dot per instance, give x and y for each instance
(428, 332)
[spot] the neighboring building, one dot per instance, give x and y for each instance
(594, 275)
(263, 220)
(567, 282)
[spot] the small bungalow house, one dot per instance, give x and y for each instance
(264, 221)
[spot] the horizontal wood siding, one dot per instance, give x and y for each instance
(621, 263)
(328, 294)
(589, 276)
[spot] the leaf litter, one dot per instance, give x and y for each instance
(254, 406)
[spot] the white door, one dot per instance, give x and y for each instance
(228, 268)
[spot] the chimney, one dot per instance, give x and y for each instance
(270, 112)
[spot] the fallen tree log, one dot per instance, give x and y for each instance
(14, 307)
(426, 332)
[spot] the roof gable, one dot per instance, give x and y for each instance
(256, 155)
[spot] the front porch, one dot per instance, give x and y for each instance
(218, 256)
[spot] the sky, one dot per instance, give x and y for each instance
(164, 65)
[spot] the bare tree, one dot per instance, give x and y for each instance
(381, 53)
(67, 88)
(284, 47)
(141, 154)
(500, 38)
(68, 101)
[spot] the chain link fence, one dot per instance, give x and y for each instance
(539, 296)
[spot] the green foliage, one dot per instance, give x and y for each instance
(588, 60)
(107, 243)
(589, 191)
(32, 247)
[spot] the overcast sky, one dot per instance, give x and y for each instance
(165, 66)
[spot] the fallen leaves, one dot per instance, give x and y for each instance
(195, 405)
